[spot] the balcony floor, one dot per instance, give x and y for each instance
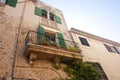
(34, 52)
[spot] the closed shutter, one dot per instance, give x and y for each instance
(58, 20)
(61, 40)
(38, 11)
(11, 2)
(41, 34)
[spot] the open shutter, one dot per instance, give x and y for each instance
(41, 34)
(38, 11)
(58, 20)
(61, 40)
(11, 2)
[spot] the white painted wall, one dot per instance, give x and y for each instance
(98, 53)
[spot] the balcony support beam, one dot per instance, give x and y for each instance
(34, 52)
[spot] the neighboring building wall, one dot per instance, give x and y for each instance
(97, 52)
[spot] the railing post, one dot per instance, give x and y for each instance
(27, 37)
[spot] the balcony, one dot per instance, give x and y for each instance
(47, 49)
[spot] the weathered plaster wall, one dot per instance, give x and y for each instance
(42, 69)
(98, 53)
(9, 24)
(31, 18)
(7, 44)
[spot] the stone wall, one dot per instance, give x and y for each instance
(9, 25)
(7, 44)
(42, 69)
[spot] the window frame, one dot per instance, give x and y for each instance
(50, 35)
(116, 49)
(109, 48)
(52, 16)
(112, 49)
(102, 75)
(84, 41)
(44, 13)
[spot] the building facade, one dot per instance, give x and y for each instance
(99, 50)
(33, 37)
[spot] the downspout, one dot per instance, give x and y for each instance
(17, 41)
(70, 33)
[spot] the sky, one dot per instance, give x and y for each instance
(98, 17)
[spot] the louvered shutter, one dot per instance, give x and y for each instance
(57, 18)
(11, 2)
(38, 11)
(40, 34)
(61, 40)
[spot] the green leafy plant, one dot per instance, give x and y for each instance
(72, 48)
(78, 70)
(56, 66)
(54, 79)
(57, 79)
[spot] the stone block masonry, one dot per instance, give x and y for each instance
(7, 42)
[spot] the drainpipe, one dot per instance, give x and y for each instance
(70, 32)
(17, 41)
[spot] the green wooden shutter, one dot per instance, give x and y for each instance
(11, 2)
(38, 11)
(61, 40)
(41, 34)
(58, 20)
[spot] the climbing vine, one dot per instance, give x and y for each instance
(79, 70)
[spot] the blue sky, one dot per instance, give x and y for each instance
(98, 17)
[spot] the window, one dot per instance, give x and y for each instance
(50, 37)
(116, 50)
(109, 48)
(112, 49)
(40, 12)
(52, 17)
(45, 36)
(44, 13)
(102, 75)
(84, 41)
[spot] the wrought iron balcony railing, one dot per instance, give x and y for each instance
(54, 42)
